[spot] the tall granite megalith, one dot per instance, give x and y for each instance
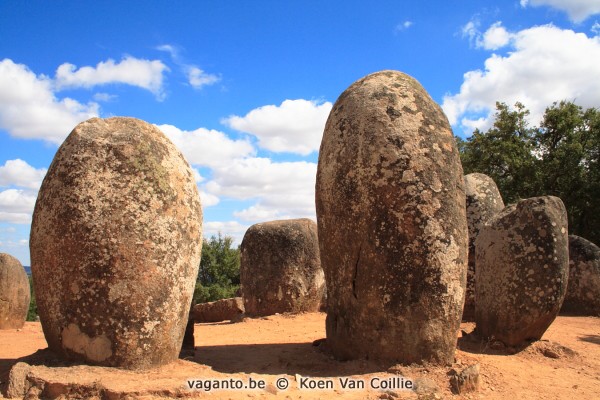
(392, 226)
(483, 202)
(115, 245)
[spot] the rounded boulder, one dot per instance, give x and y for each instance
(15, 293)
(280, 268)
(483, 202)
(583, 290)
(522, 259)
(390, 205)
(115, 245)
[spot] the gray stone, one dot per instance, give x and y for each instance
(221, 310)
(115, 245)
(522, 270)
(14, 293)
(392, 226)
(280, 268)
(483, 202)
(583, 290)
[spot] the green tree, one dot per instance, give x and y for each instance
(32, 312)
(561, 157)
(219, 273)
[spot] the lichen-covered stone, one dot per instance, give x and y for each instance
(583, 290)
(221, 310)
(115, 245)
(280, 268)
(483, 202)
(522, 259)
(392, 226)
(14, 293)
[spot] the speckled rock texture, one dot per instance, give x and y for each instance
(583, 290)
(14, 293)
(221, 310)
(280, 268)
(115, 245)
(392, 224)
(522, 262)
(483, 202)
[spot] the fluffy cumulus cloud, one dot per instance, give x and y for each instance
(295, 126)
(146, 74)
(19, 183)
(206, 147)
(281, 189)
(492, 39)
(30, 110)
(19, 173)
(543, 64)
(578, 10)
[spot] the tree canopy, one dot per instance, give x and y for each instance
(219, 272)
(561, 158)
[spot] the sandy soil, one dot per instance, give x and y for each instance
(564, 365)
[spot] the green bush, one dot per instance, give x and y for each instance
(32, 312)
(219, 272)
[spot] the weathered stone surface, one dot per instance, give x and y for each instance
(17, 384)
(522, 270)
(483, 202)
(220, 310)
(583, 290)
(465, 381)
(280, 267)
(14, 293)
(115, 245)
(392, 226)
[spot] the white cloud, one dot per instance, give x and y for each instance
(198, 78)
(295, 126)
(15, 218)
(29, 109)
(205, 147)
(17, 201)
(282, 189)
(226, 228)
(146, 74)
(578, 10)
(596, 28)
(208, 199)
(19, 173)
(495, 37)
(545, 64)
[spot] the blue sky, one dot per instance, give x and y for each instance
(243, 88)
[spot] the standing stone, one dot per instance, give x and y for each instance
(583, 290)
(14, 293)
(392, 226)
(483, 202)
(522, 259)
(280, 268)
(115, 245)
